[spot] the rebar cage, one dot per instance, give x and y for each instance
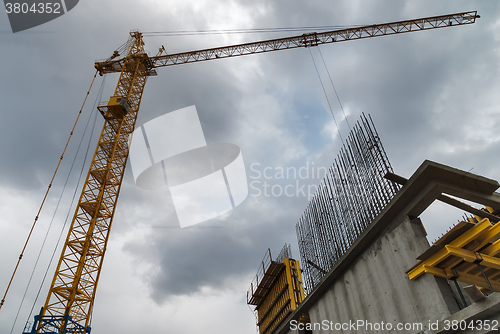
(351, 195)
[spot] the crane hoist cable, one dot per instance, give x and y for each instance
(240, 31)
(334, 89)
(67, 216)
(326, 95)
(98, 98)
(46, 194)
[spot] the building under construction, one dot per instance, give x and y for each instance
(358, 237)
(367, 266)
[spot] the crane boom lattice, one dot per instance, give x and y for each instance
(70, 300)
(305, 40)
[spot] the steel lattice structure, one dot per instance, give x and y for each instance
(351, 195)
(71, 296)
(305, 40)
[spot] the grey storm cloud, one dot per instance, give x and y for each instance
(209, 254)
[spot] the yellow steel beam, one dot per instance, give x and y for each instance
(491, 234)
(477, 280)
(466, 259)
(437, 272)
(472, 234)
(493, 249)
(469, 256)
(464, 254)
(479, 242)
(462, 276)
(289, 279)
(299, 276)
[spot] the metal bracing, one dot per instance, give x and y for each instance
(471, 257)
(305, 40)
(285, 253)
(74, 285)
(350, 196)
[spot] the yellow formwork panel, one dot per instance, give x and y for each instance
(459, 258)
(296, 291)
(283, 297)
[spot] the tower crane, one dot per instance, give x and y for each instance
(70, 300)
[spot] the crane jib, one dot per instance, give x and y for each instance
(113, 65)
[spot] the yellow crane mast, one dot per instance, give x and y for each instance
(74, 284)
(69, 303)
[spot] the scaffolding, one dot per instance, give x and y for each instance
(276, 290)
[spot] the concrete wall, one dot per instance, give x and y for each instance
(375, 288)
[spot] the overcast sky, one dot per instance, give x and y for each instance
(432, 95)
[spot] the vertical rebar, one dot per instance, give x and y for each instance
(351, 195)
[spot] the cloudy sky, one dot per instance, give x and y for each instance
(432, 95)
